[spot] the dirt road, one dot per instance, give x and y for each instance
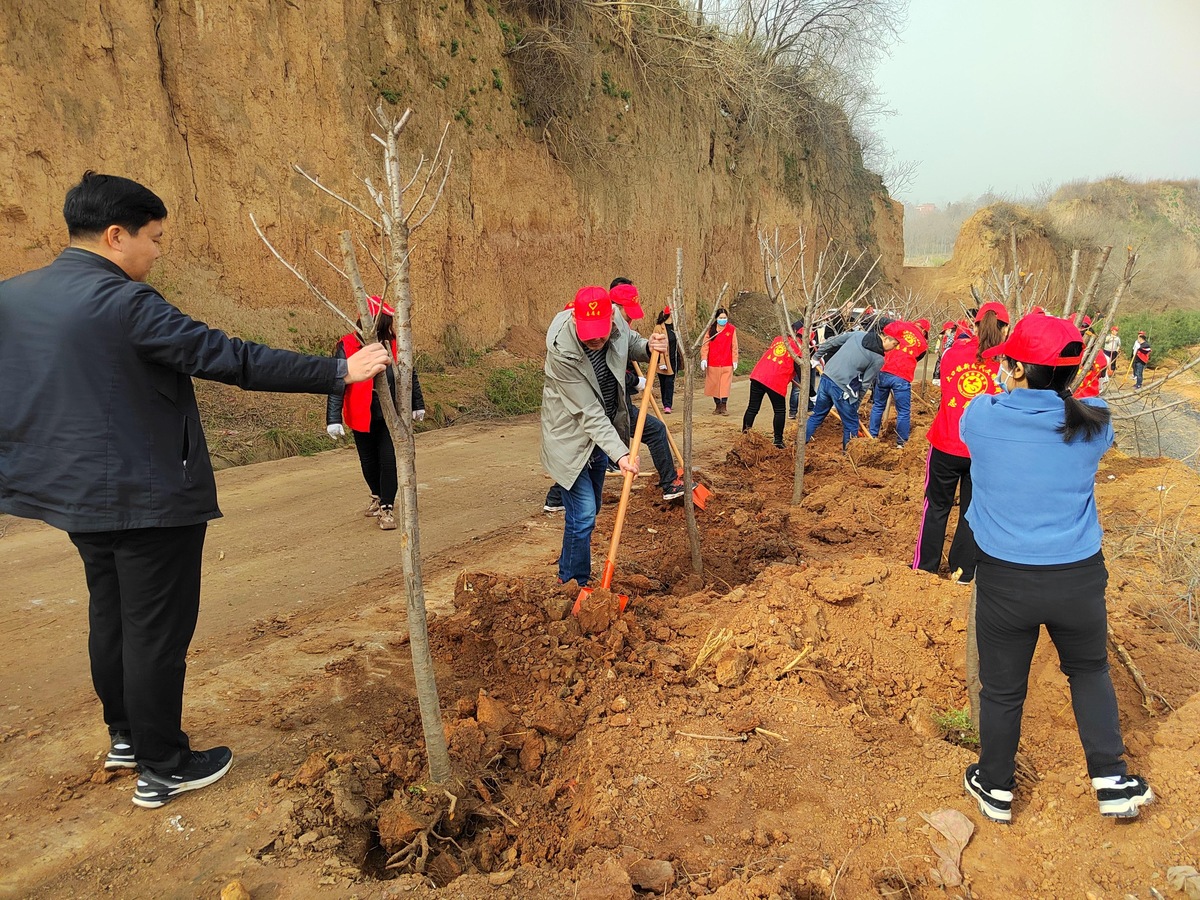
(295, 580)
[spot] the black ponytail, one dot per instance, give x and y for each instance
(1080, 418)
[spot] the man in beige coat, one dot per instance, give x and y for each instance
(585, 422)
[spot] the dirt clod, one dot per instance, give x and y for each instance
(397, 825)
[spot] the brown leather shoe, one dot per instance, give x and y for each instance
(387, 519)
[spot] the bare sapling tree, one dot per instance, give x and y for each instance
(1072, 283)
(1089, 351)
(690, 353)
(401, 206)
(820, 288)
(1089, 293)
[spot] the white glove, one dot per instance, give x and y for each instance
(336, 431)
(703, 364)
(641, 384)
(418, 415)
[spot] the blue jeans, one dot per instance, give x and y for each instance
(901, 392)
(829, 396)
(1138, 368)
(654, 438)
(581, 503)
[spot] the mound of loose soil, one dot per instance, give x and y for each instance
(775, 728)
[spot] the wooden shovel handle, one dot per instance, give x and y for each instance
(666, 428)
(634, 446)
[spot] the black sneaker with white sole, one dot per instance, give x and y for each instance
(552, 508)
(1122, 796)
(993, 803)
(120, 752)
(673, 491)
(202, 769)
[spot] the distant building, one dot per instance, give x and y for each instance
(926, 208)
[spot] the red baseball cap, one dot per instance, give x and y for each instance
(923, 324)
(994, 307)
(1037, 311)
(1039, 341)
(593, 313)
(374, 303)
(626, 297)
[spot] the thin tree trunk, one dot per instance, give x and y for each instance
(1071, 285)
(973, 683)
(681, 336)
(1012, 237)
(1094, 283)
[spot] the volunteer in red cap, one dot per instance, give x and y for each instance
(1141, 356)
(966, 374)
(1035, 450)
(585, 418)
(895, 378)
(359, 405)
(1112, 348)
(774, 373)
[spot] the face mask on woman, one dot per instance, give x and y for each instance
(722, 321)
(1002, 380)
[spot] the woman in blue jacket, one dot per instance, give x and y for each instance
(1035, 450)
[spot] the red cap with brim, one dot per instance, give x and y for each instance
(993, 307)
(1039, 341)
(626, 297)
(593, 313)
(374, 303)
(923, 324)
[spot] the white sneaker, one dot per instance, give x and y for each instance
(1122, 796)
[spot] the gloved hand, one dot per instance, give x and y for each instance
(641, 385)
(703, 364)
(336, 431)
(418, 415)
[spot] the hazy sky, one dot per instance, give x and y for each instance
(1008, 94)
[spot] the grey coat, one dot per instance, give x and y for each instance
(573, 419)
(854, 365)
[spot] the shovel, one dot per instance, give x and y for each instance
(627, 482)
(700, 493)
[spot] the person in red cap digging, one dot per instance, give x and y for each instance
(895, 378)
(1035, 450)
(585, 416)
(359, 405)
(772, 375)
(966, 374)
(718, 359)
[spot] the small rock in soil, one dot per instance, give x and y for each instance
(492, 715)
(235, 890)
(598, 611)
(654, 875)
(556, 718)
(733, 666)
(397, 826)
(608, 881)
(311, 771)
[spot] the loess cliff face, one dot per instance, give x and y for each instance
(210, 104)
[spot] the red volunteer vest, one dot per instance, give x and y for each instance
(902, 361)
(963, 379)
(356, 407)
(774, 368)
(720, 348)
(1090, 386)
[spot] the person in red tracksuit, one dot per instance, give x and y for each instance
(965, 375)
(363, 413)
(771, 377)
(895, 378)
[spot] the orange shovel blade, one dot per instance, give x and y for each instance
(584, 593)
(700, 495)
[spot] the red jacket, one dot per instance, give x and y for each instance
(1090, 386)
(902, 361)
(357, 406)
(963, 379)
(775, 368)
(720, 348)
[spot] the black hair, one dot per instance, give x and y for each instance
(620, 279)
(662, 317)
(991, 333)
(99, 201)
(798, 326)
(712, 329)
(1080, 418)
(386, 330)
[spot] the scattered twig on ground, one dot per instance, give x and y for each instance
(713, 642)
(732, 738)
(1138, 678)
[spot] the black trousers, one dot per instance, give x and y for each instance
(377, 457)
(144, 597)
(1010, 606)
(666, 385)
(944, 472)
(758, 390)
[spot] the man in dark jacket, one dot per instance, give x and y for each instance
(100, 436)
(849, 362)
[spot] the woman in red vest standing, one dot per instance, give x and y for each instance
(360, 406)
(965, 375)
(771, 377)
(718, 359)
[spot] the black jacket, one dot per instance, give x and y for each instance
(337, 398)
(99, 429)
